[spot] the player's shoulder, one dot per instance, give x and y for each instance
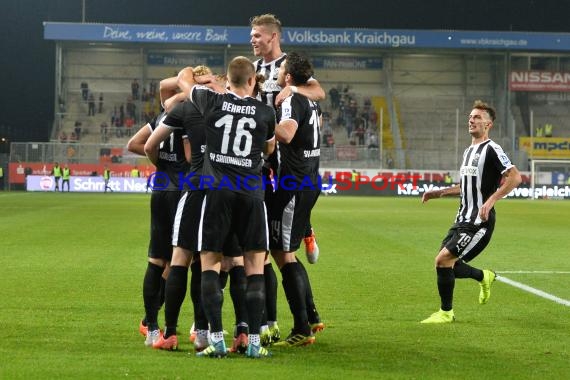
(495, 146)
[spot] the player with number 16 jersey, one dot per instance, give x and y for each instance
(241, 126)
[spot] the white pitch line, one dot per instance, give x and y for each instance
(534, 291)
(534, 271)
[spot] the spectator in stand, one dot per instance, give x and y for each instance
(131, 109)
(129, 123)
(77, 129)
(114, 116)
(135, 89)
(121, 115)
(152, 88)
(373, 146)
(335, 97)
(359, 132)
(145, 95)
(104, 130)
(84, 90)
(91, 104)
(101, 103)
(73, 137)
(350, 116)
(328, 138)
(62, 137)
(390, 162)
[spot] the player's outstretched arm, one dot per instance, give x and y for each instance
(454, 190)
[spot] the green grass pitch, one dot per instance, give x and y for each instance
(71, 278)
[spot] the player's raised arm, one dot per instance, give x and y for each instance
(186, 81)
(136, 143)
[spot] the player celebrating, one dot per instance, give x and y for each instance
(483, 167)
(298, 133)
(239, 129)
(266, 44)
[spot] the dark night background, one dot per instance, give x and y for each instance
(27, 60)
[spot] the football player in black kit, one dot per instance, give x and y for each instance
(239, 129)
(185, 116)
(298, 187)
(170, 160)
(182, 118)
(265, 40)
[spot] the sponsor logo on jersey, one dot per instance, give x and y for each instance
(504, 160)
(311, 153)
(469, 171)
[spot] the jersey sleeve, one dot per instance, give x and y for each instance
(175, 118)
(500, 158)
(288, 109)
(199, 96)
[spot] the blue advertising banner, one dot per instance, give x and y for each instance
(181, 60)
(211, 35)
(347, 63)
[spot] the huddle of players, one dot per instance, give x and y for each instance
(229, 226)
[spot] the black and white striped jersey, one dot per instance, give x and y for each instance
(481, 171)
(270, 88)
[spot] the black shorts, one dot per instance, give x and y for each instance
(162, 210)
(231, 246)
(225, 212)
(187, 220)
(467, 241)
(289, 216)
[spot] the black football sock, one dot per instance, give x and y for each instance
(223, 279)
(445, 286)
(270, 293)
(212, 299)
(295, 291)
(200, 320)
(464, 270)
(309, 301)
(175, 292)
(151, 294)
(255, 300)
(308, 230)
(238, 287)
(162, 292)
